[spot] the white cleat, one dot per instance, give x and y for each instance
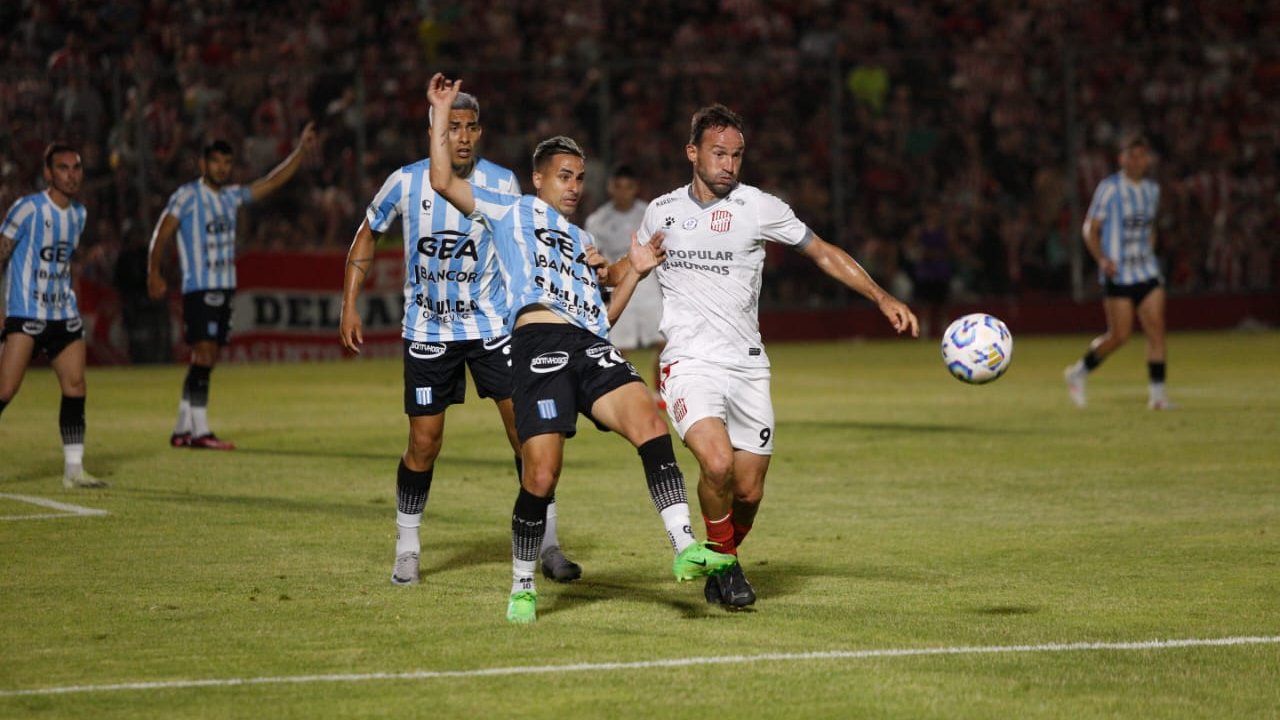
(73, 478)
(406, 570)
(1075, 385)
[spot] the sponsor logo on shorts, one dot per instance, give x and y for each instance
(74, 324)
(678, 410)
(549, 362)
(213, 328)
(215, 299)
(690, 224)
(495, 343)
(33, 327)
(422, 395)
(596, 351)
(547, 409)
(426, 351)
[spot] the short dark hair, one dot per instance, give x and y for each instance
(622, 170)
(222, 147)
(56, 149)
(713, 116)
(1133, 140)
(558, 145)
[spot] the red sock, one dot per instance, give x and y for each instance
(739, 534)
(720, 534)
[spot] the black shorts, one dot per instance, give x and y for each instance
(559, 371)
(1136, 292)
(207, 315)
(435, 377)
(51, 336)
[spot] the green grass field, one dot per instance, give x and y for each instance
(905, 512)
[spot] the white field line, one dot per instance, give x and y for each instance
(649, 664)
(67, 509)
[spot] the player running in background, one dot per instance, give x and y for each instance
(455, 309)
(612, 225)
(202, 214)
(715, 373)
(562, 363)
(37, 240)
(1120, 233)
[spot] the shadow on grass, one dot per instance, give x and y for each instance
(255, 502)
(905, 427)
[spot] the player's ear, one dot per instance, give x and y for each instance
(537, 180)
(691, 152)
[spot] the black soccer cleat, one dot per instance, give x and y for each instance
(555, 566)
(731, 588)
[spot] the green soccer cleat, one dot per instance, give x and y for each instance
(522, 608)
(698, 560)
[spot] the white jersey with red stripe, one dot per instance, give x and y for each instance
(711, 278)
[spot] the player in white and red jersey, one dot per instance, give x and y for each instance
(715, 372)
(562, 364)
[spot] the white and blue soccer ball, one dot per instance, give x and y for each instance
(977, 348)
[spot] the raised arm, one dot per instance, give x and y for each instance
(441, 93)
(359, 260)
(166, 228)
(838, 264)
(287, 168)
(633, 267)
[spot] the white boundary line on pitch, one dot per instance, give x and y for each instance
(648, 664)
(68, 510)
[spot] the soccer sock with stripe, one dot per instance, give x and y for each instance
(412, 489)
(720, 534)
(197, 391)
(528, 523)
(1090, 361)
(71, 424)
(1155, 379)
(666, 487)
(549, 538)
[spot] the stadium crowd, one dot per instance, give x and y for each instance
(932, 139)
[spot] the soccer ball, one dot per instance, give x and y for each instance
(977, 348)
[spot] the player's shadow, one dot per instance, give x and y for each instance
(904, 428)
(257, 502)
(101, 464)
(333, 454)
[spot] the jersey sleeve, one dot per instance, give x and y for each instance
(648, 224)
(385, 208)
(179, 203)
(778, 222)
(17, 220)
(242, 194)
(1101, 199)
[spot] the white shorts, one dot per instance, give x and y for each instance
(638, 326)
(695, 390)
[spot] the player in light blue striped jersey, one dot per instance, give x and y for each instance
(455, 314)
(202, 215)
(38, 238)
(562, 362)
(1120, 233)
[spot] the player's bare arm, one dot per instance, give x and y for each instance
(838, 264)
(1093, 241)
(636, 265)
(359, 261)
(441, 92)
(287, 168)
(166, 228)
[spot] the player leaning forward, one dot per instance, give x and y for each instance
(561, 362)
(715, 372)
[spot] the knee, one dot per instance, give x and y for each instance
(540, 480)
(1121, 335)
(717, 467)
(423, 449)
(750, 496)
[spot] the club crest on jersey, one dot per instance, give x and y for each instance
(426, 351)
(690, 224)
(549, 362)
(720, 221)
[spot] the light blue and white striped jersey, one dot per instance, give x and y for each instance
(453, 288)
(207, 233)
(543, 259)
(1127, 211)
(39, 277)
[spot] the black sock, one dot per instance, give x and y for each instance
(666, 482)
(71, 420)
(1091, 361)
(196, 387)
(528, 525)
(412, 489)
(1155, 371)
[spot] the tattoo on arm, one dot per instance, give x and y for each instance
(361, 264)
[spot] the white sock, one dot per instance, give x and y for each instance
(549, 538)
(1078, 369)
(184, 418)
(522, 575)
(407, 539)
(1156, 390)
(73, 455)
(199, 421)
(679, 531)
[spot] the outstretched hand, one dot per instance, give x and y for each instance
(899, 315)
(644, 258)
(441, 92)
